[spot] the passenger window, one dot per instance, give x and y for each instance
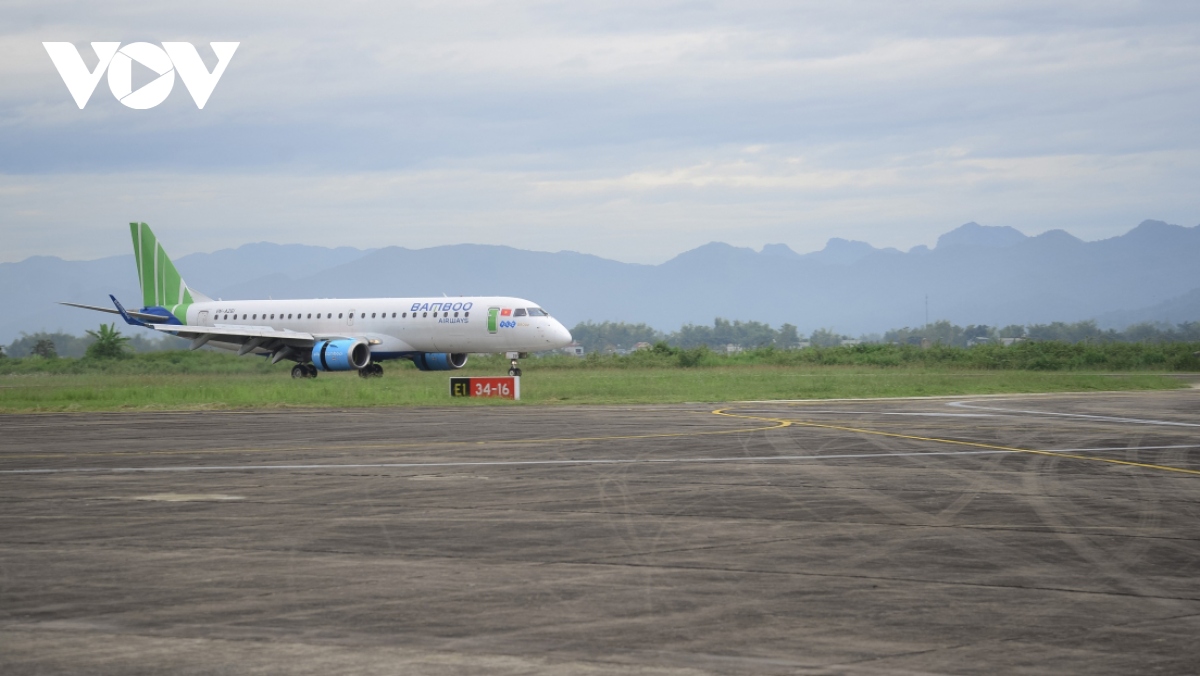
(404, 315)
(466, 314)
(255, 315)
(435, 314)
(393, 315)
(289, 315)
(329, 316)
(272, 315)
(372, 315)
(455, 314)
(339, 315)
(424, 314)
(310, 315)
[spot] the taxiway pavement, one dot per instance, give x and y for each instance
(1022, 534)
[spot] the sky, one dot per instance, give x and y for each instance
(630, 130)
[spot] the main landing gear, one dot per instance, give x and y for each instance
(304, 371)
(310, 371)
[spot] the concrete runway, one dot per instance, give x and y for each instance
(1027, 534)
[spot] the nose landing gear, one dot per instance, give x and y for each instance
(513, 368)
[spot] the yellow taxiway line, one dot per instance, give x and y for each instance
(960, 442)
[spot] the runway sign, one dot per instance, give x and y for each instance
(507, 387)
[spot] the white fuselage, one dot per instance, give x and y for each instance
(399, 326)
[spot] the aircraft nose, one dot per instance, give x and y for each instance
(560, 335)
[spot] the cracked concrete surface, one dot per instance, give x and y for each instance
(882, 537)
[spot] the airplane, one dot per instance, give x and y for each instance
(322, 334)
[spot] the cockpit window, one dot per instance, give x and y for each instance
(538, 312)
(519, 312)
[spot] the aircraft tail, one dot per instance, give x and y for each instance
(161, 284)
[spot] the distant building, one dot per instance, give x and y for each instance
(733, 349)
(1006, 342)
(641, 346)
(850, 342)
(574, 349)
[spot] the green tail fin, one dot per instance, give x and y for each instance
(161, 284)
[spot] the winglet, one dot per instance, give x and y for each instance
(125, 315)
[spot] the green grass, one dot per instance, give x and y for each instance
(224, 382)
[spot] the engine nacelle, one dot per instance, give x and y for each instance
(341, 355)
(440, 361)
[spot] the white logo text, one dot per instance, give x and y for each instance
(166, 61)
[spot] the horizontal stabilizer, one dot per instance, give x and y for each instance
(144, 316)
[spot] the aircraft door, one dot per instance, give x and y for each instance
(203, 318)
(493, 320)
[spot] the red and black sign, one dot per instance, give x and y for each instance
(505, 387)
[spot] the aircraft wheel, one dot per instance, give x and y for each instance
(312, 370)
(377, 370)
(514, 372)
(298, 371)
(365, 372)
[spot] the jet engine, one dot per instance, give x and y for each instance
(349, 354)
(440, 361)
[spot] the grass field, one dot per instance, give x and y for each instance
(262, 386)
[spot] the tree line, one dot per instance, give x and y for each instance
(110, 340)
(945, 333)
(621, 337)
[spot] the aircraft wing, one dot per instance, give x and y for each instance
(238, 334)
(281, 342)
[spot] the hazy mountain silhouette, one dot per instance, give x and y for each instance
(984, 236)
(975, 275)
(1183, 308)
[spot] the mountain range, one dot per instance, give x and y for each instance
(974, 275)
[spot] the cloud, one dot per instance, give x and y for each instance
(744, 196)
(548, 124)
